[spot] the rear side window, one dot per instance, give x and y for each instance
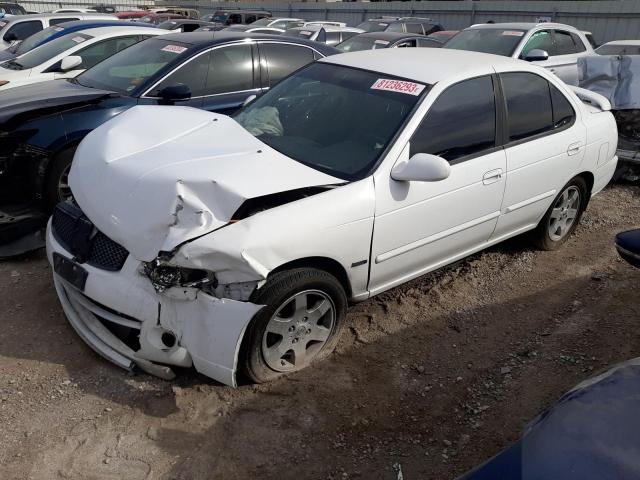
(414, 28)
(333, 38)
(579, 43)
(250, 19)
(529, 109)
(461, 122)
(564, 43)
(56, 21)
(230, 70)
(23, 30)
(395, 27)
(282, 59)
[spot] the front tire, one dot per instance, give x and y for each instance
(301, 323)
(563, 216)
(56, 188)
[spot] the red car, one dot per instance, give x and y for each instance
(131, 15)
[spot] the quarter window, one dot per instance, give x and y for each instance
(230, 70)
(563, 113)
(529, 109)
(284, 59)
(461, 122)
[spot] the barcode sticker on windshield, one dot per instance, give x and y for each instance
(398, 86)
(381, 42)
(174, 49)
(78, 39)
(512, 33)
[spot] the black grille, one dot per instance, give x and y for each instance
(77, 235)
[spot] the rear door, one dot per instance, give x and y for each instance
(545, 143)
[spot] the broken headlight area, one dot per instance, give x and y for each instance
(164, 276)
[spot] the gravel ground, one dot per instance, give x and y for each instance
(436, 376)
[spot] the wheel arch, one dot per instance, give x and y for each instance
(589, 179)
(326, 264)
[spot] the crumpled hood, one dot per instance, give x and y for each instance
(155, 177)
(45, 96)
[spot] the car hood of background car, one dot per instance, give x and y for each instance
(155, 177)
(46, 96)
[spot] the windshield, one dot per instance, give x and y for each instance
(332, 118)
(35, 40)
(127, 70)
(618, 50)
(49, 50)
(358, 42)
(263, 22)
(498, 41)
(373, 26)
(219, 17)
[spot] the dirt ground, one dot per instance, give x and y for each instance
(437, 375)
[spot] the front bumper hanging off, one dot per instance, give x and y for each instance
(179, 327)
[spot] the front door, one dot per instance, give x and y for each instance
(420, 226)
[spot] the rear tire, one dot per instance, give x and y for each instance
(562, 217)
(301, 323)
(56, 188)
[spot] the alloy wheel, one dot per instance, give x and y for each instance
(564, 213)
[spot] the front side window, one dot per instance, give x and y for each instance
(529, 109)
(336, 119)
(97, 52)
(124, 72)
(461, 121)
(193, 74)
(282, 59)
(22, 30)
(230, 70)
(498, 41)
(564, 43)
(541, 41)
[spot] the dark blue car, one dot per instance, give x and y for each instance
(42, 124)
(56, 31)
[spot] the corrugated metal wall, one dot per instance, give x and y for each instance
(608, 20)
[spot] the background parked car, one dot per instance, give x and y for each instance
(323, 33)
(158, 18)
(131, 14)
(16, 29)
(42, 124)
(278, 22)
(10, 8)
(248, 29)
(184, 25)
(554, 46)
(619, 47)
(419, 25)
(234, 17)
(443, 35)
(71, 54)
(51, 33)
(376, 40)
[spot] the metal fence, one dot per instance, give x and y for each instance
(607, 20)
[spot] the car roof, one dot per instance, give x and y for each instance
(78, 24)
(522, 26)
(37, 16)
(391, 36)
(200, 40)
(327, 28)
(110, 30)
(425, 65)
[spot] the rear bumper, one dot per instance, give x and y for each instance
(204, 332)
(628, 156)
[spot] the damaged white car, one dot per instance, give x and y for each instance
(231, 244)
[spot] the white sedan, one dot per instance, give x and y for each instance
(224, 243)
(70, 55)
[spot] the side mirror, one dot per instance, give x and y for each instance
(70, 62)
(422, 167)
(10, 37)
(171, 93)
(249, 99)
(536, 55)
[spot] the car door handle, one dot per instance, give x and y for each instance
(574, 148)
(492, 176)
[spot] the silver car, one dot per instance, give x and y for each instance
(554, 46)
